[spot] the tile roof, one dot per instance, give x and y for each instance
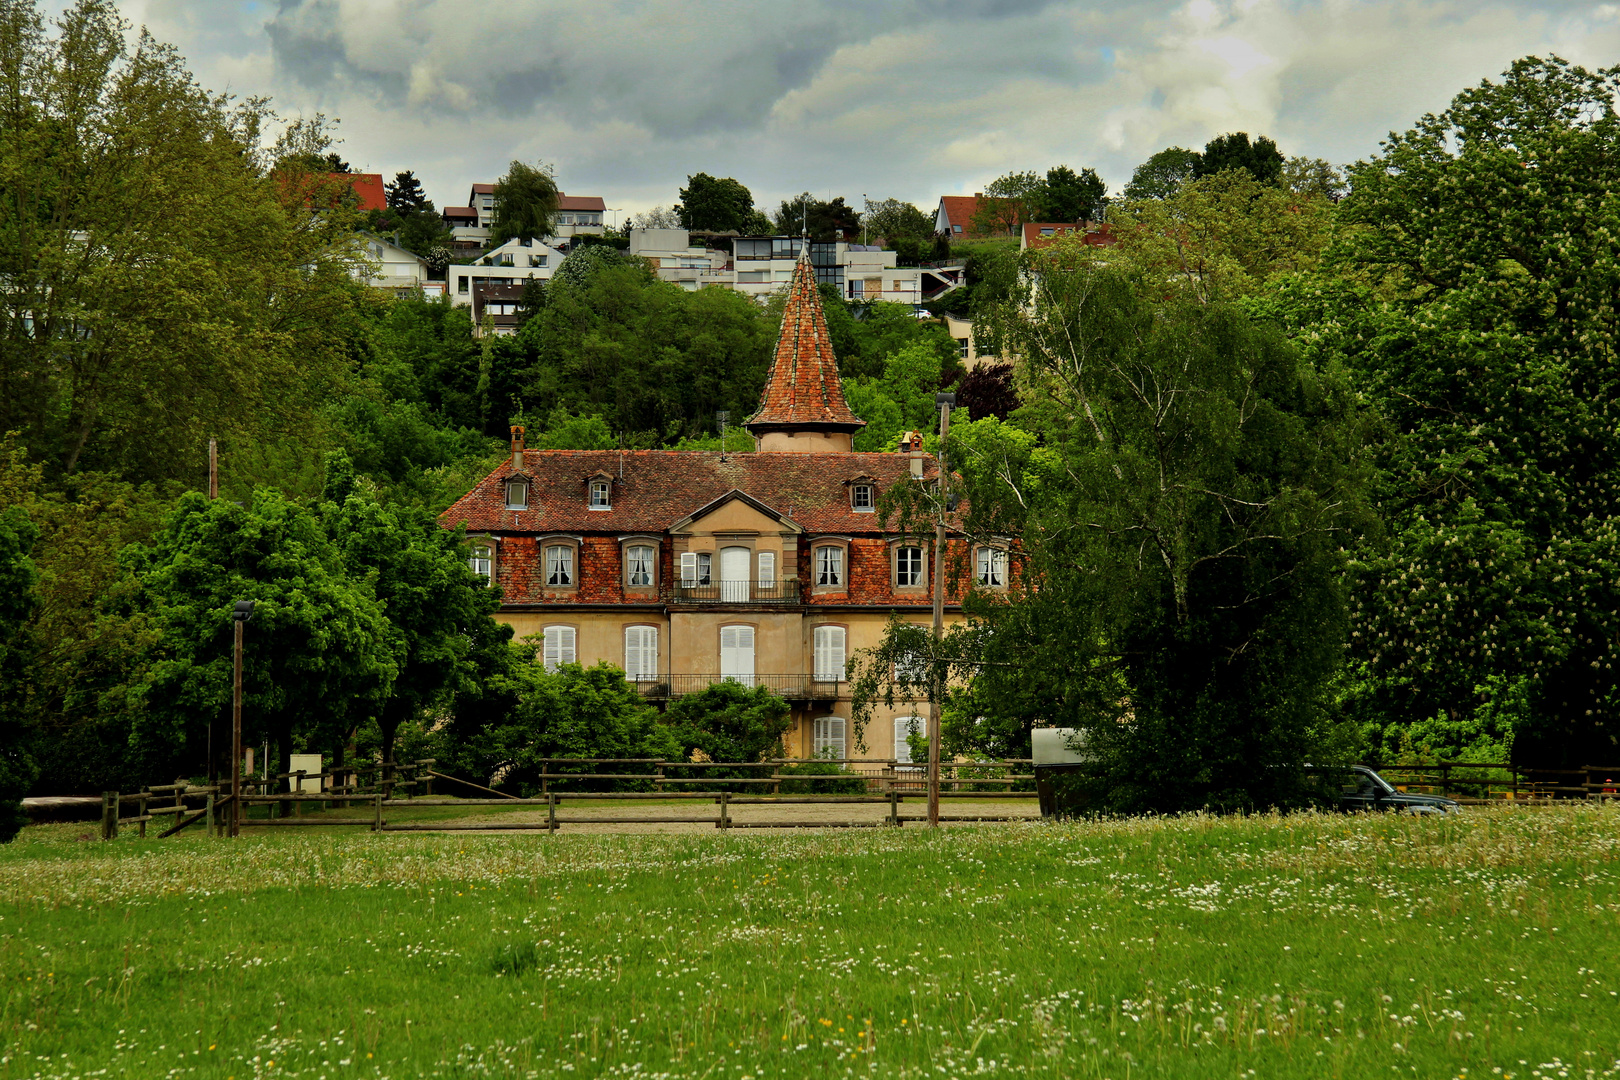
(1094, 235)
(959, 210)
(580, 202)
(483, 189)
(803, 388)
(368, 187)
(459, 211)
(661, 487)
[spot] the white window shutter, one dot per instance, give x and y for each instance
(559, 647)
(689, 562)
(828, 737)
(767, 568)
(640, 652)
(567, 651)
(903, 727)
(829, 647)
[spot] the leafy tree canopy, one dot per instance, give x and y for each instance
(1475, 304)
(1161, 175)
(1070, 196)
(18, 579)
(525, 204)
(826, 221)
(1234, 150)
(892, 219)
(709, 204)
(405, 193)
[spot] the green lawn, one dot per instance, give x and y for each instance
(1477, 946)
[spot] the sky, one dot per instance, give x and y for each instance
(908, 99)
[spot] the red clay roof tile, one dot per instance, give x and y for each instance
(803, 388)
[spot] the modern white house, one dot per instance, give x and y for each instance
(576, 214)
(676, 259)
(510, 264)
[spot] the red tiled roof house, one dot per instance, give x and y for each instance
(771, 567)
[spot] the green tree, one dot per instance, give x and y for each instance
(575, 711)
(728, 721)
(18, 579)
(1070, 196)
(525, 204)
(436, 607)
(405, 193)
(1477, 306)
(1161, 175)
(166, 279)
(715, 205)
(826, 221)
(320, 651)
(1234, 150)
(1313, 177)
(892, 219)
(1008, 202)
(1223, 236)
(900, 400)
(1177, 593)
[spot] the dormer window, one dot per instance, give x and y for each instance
(517, 494)
(862, 497)
(601, 495)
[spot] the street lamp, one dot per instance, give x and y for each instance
(945, 402)
(240, 614)
(867, 206)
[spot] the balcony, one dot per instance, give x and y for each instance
(774, 593)
(791, 687)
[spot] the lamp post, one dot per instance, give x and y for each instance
(867, 206)
(937, 689)
(240, 614)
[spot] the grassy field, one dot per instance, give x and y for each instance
(1481, 945)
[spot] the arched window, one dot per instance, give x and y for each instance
(559, 647)
(641, 653)
(829, 653)
(904, 726)
(827, 737)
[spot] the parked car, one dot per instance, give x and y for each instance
(1357, 787)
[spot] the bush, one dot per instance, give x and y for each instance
(841, 781)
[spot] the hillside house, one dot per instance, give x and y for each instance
(685, 568)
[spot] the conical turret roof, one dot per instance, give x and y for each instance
(803, 390)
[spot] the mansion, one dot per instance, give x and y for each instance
(685, 568)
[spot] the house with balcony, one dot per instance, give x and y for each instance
(860, 273)
(683, 568)
(505, 267)
(674, 258)
(471, 224)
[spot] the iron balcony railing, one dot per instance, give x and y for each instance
(735, 592)
(793, 687)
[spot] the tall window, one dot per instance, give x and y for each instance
(600, 499)
(537, 260)
(559, 647)
(559, 565)
(765, 563)
(861, 497)
(640, 558)
(695, 566)
(992, 567)
(737, 654)
(517, 494)
(829, 565)
(908, 566)
(640, 653)
(829, 648)
(904, 726)
(482, 561)
(827, 737)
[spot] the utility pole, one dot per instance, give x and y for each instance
(936, 680)
(866, 205)
(239, 617)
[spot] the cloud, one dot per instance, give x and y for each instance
(907, 98)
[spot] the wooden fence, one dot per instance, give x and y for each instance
(375, 789)
(1489, 782)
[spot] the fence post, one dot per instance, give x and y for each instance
(551, 811)
(109, 815)
(140, 810)
(894, 805)
(209, 811)
(545, 768)
(725, 815)
(658, 783)
(376, 821)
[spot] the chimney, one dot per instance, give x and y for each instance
(978, 194)
(912, 445)
(517, 448)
